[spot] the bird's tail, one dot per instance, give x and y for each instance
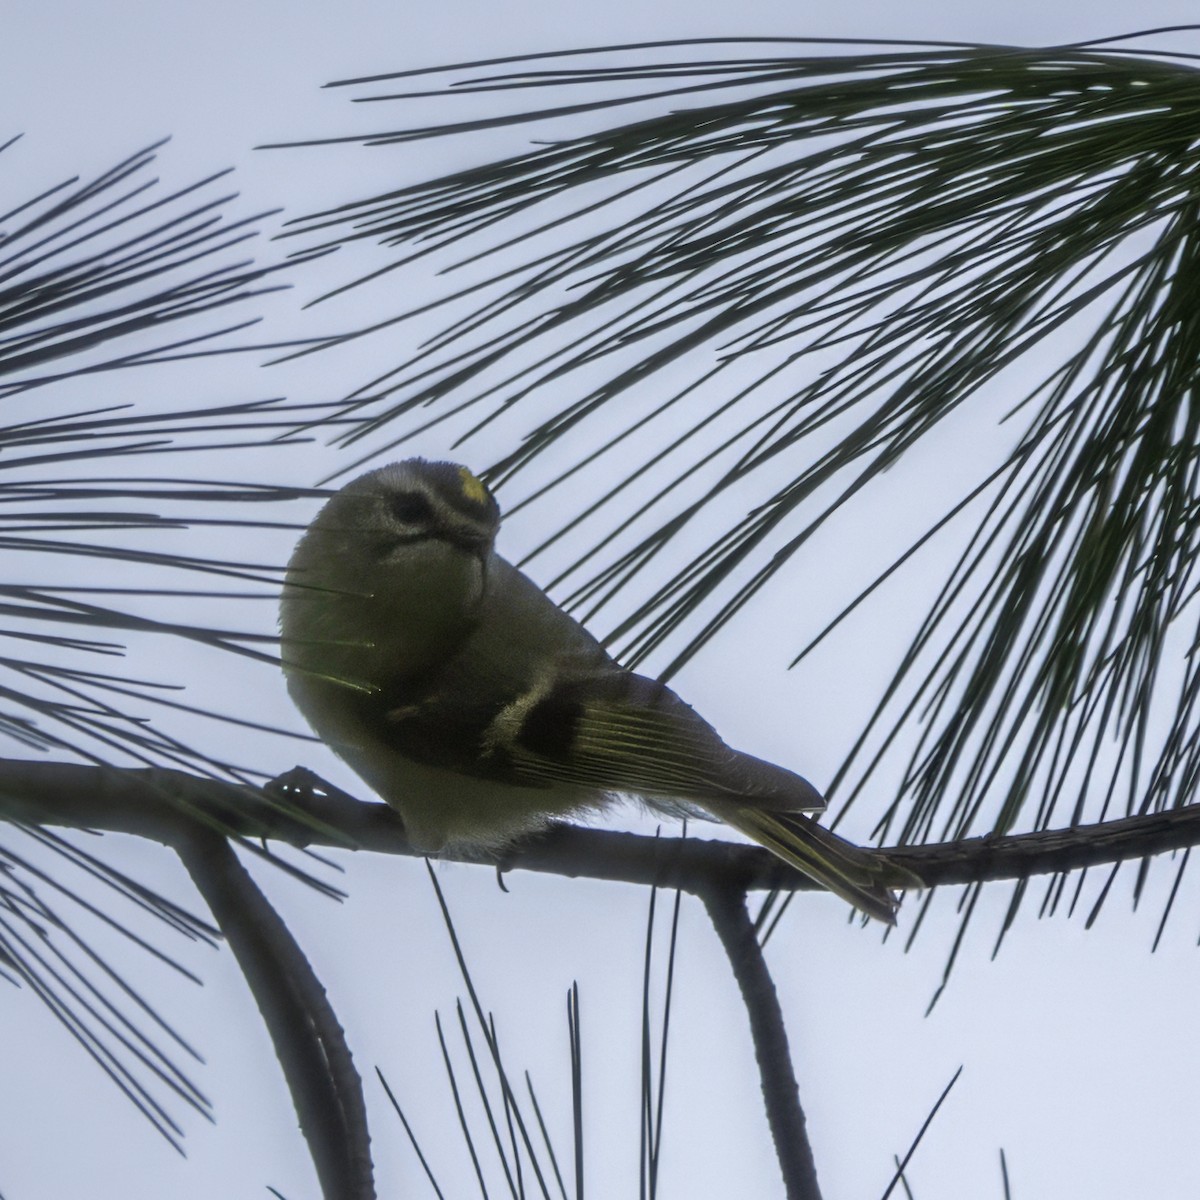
(864, 878)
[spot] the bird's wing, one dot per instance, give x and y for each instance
(615, 731)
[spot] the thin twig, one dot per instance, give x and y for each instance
(781, 1095)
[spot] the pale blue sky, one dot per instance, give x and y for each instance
(1072, 1052)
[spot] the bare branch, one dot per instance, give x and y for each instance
(781, 1095)
(195, 816)
(308, 1038)
(160, 804)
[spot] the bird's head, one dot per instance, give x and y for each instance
(415, 503)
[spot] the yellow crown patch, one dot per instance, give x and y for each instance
(474, 489)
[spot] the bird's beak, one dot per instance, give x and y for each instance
(478, 545)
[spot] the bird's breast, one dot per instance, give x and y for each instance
(388, 620)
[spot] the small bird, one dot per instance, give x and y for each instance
(471, 703)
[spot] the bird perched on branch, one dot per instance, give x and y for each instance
(481, 711)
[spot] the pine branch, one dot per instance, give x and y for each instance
(765, 271)
(152, 803)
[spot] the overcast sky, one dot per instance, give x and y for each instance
(1073, 1058)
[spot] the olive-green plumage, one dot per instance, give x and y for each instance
(481, 711)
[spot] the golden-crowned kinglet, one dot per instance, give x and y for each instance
(481, 711)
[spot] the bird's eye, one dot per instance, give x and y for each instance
(411, 508)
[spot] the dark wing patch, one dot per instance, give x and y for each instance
(620, 732)
(423, 725)
(551, 727)
(593, 726)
